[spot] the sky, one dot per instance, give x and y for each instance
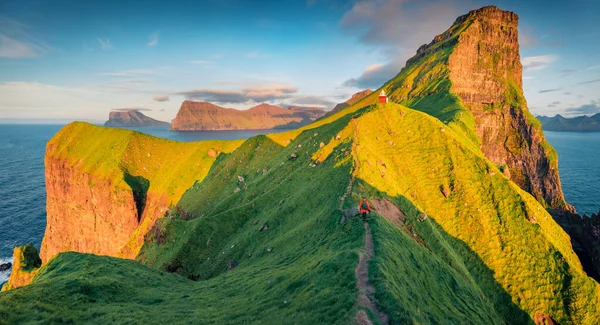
(78, 60)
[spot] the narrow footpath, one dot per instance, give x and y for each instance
(366, 297)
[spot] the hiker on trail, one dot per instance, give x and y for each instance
(364, 208)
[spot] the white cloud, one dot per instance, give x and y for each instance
(594, 67)
(17, 41)
(129, 73)
(204, 63)
(374, 76)
(160, 98)
(31, 100)
(105, 43)
(153, 39)
(270, 92)
(36, 100)
(14, 49)
(251, 94)
(534, 63)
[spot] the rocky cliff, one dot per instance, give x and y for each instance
(132, 118)
(351, 101)
(574, 124)
(106, 187)
(198, 116)
(26, 265)
(470, 77)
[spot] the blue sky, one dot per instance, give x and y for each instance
(81, 59)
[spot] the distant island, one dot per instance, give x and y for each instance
(203, 116)
(354, 99)
(131, 118)
(575, 124)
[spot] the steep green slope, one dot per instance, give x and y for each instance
(114, 184)
(495, 227)
(267, 246)
(470, 78)
(299, 270)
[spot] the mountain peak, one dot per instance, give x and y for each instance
(354, 99)
(263, 107)
(131, 118)
(471, 76)
(489, 12)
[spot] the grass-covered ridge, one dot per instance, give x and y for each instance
(267, 246)
(132, 166)
(110, 153)
(415, 156)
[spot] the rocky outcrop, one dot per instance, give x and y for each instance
(132, 118)
(27, 263)
(85, 212)
(574, 124)
(354, 99)
(104, 196)
(476, 62)
(5, 266)
(200, 116)
(585, 237)
(486, 73)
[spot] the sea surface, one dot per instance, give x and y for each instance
(23, 196)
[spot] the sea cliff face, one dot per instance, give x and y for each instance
(197, 116)
(470, 77)
(106, 187)
(486, 73)
(85, 212)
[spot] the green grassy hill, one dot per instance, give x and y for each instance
(267, 233)
(486, 252)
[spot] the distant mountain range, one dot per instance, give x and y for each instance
(131, 118)
(201, 116)
(355, 98)
(575, 124)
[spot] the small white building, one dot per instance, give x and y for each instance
(382, 97)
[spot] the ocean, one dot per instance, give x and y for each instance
(23, 196)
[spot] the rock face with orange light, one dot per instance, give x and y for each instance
(105, 188)
(477, 61)
(202, 116)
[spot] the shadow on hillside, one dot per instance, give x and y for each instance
(139, 187)
(248, 194)
(427, 233)
(584, 241)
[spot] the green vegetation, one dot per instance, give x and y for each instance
(30, 259)
(267, 246)
(134, 162)
(253, 235)
(169, 166)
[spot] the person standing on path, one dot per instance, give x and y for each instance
(364, 208)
